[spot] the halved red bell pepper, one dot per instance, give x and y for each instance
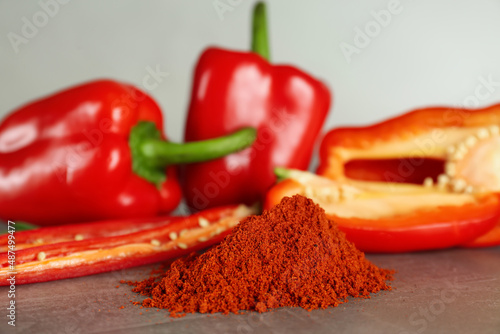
(165, 238)
(451, 149)
(237, 89)
(92, 152)
(383, 218)
(490, 239)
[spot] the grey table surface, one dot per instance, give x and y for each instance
(450, 291)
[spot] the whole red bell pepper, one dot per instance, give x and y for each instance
(237, 89)
(52, 253)
(95, 151)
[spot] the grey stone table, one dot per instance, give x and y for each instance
(451, 291)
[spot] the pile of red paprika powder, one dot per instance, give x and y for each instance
(291, 255)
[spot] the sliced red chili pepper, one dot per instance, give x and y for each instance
(96, 255)
(83, 231)
(381, 217)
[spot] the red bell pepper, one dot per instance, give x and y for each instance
(236, 89)
(490, 239)
(447, 149)
(165, 238)
(383, 218)
(94, 151)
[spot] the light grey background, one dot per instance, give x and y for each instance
(430, 53)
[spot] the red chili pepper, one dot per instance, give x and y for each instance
(447, 149)
(94, 151)
(81, 231)
(56, 259)
(236, 89)
(388, 218)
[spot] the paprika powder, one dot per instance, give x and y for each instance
(291, 255)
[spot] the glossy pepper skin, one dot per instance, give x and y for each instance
(448, 149)
(69, 157)
(65, 158)
(236, 89)
(53, 253)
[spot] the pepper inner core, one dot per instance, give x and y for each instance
(403, 170)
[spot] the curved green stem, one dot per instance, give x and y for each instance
(260, 43)
(162, 153)
(282, 173)
(151, 154)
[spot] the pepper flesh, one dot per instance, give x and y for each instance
(237, 89)
(433, 134)
(67, 157)
(172, 237)
(447, 148)
(408, 218)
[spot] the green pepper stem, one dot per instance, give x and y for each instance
(282, 173)
(162, 153)
(260, 43)
(151, 154)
